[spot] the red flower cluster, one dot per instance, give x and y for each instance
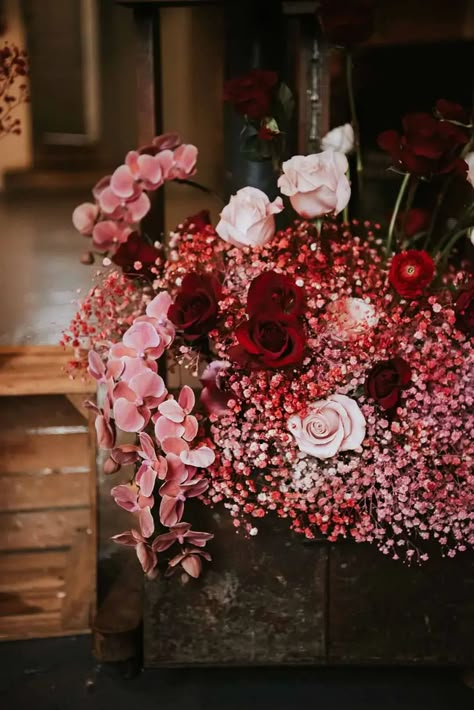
(13, 68)
(272, 336)
(385, 381)
(195, 309)
(427, 146)
(251, 94)
(410, 272)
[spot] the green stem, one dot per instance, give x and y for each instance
(434, 217)
(444, 254)
(410, 197)
(354, 118)
(202, 188)
(396, 210)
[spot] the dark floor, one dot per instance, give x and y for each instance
(59, 674)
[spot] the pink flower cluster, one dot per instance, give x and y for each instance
(136, 398)
(121, 199)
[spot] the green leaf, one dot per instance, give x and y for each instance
(285, 97)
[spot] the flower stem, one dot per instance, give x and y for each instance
(202, 188)
(396, 210)
(445, 253)
(354, 118)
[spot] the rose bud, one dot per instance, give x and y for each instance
(464, 309)
(340, 139)
(385, 381)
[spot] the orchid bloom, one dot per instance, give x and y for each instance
(135, 400)
(141, 340)
(181, 483)
(185, 157)
(119, 199)
(175, 420)
(146, 554)
(129, 498)
(179, 533)
(153, 466)
(105, 429)
(190, 561)
(150, 170)
(108, 234)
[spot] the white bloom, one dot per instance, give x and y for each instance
(340, 139)
(470, 167)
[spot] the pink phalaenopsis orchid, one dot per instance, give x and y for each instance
(180, 533)
(135, 400)
(175, 420)
(181, 482)
(141, 340)
(130, 498)
(185, 157)
(190, 560)
(146, 554)
(152, 467)
(104, 427)
(84, 217)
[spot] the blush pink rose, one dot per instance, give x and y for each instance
(248, 220)
(351, 318)
(316, 184)
(332, 425)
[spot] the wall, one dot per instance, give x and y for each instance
(15, 151)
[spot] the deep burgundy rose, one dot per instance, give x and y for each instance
(136, 257)
(415, 221)
(197, 222)
(347, 22)
(268, 341)
(385, 381)
(277, 293)
(410, 272)
(427, 146)
(464, 308)
(195, 309)
(251, 94)
(451, 111)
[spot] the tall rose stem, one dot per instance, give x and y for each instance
(445, 253)
(354, 118)
(396, 210)
(410, 197)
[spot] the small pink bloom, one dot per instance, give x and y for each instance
(84, 217)
(135, 400)
(175, 420)
(141, 340)
(129, 498)
(181, 483)
(108, 234)
(185, 157)
(190, 560)
(316, 184)
(167, 141)
(122, 183)
(153, 466)
(214, 395)
(179, 533)
(248, 219)
(145, 553)
(332, 425)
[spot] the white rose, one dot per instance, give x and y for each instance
(340, 139)
(248, 220)
(350, 318)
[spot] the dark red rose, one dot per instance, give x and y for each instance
(136, 257)
(386, 379)
(196, 223)
(415, 221)
(427, 146)
(464, 309)
(268, 341)
(195, 309)
(251, 94)
(277, 293)
(410, 272)
(451, 111)
(347, 22)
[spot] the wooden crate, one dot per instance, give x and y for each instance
(47, 498)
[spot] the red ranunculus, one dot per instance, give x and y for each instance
(415, 221)
(195, 309)
(464, 308)
(426, 147)
(251, 94)
(385, 381)
(347, 22)
(410, 272)
(269, 340)
(136, 257)
(197, 222)
(451, 111)
(277, 293)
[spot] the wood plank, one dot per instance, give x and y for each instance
(32, 453)
(262, 601)
(49, 490)
(38, 370)
(79, 583)
(31, 626)
(38, 412)
(32, 531)
(381, 611)
(29, 602)
(18, 566)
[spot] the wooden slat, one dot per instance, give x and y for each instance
(32, 531)
(79, 583)
(31, 626)
(31, 453)
(42, 412)
(24, 571)
(50, 490)
(33, 601)
(38, 370)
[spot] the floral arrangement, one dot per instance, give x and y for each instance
(334, 354)
(13, 87)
